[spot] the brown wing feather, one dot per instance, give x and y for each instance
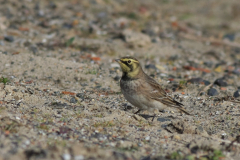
(157, 93)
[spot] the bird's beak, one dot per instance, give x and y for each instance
(117, 60)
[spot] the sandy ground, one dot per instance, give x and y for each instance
(59, 92)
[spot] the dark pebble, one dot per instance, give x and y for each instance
(195, 80)
(236, 71)
(31, 91)
(230, 37)
(9, 38)
(67, 25)
(15, 90)
(147, 158)
(163, 119)
(174, 58)
(33, 49)
(149, 32)
(80, 95)
(98, 86)
(73, 100)
(52, 5)
(212, 92)
(37, 153)
(164, 125)
(198, 81)
(102, 15)
(236, 94)
(220, 82)
(208, 64)
(206, 82)
(83, 84)
(154, 40)
(152, 66)
(56, 93)
(117, 78)
(59, 105)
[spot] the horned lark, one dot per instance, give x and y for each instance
(141, 90)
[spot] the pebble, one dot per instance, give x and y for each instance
(117, 78)
(147, 138)
(220, 82)
(218, 112)
(66, 156)
(212, 92)
(79, 157)
(163, 119)
(150, 66)
(206, 82)
(80, 95)
(18, 118)
(236, 94)
(9, 38)
(230, 37)
(73, 100)
(198, 81)
(195, 80)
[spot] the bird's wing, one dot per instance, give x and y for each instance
(156, 92)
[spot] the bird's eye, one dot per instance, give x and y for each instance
(129, 61)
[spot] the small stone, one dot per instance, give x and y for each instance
(9, 38)
(80, 95)
(208, 64)
(56, 93)
(66, 156)
(117, 78)
(198, 81)
(73, 100)
(52, 5)
(33, 49)
(220, 82)
(236, 94)
(206, 82)
(195, 80)
(218, 112)
(212, 92)
(79, 157)
(150, 66)
(163, 119)
(230, 37)
(147, 138)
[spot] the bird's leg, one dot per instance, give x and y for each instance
(137, 111)
(153, 117)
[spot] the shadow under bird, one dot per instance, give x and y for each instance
(141, 90)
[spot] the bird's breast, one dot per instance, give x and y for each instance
(130, 87)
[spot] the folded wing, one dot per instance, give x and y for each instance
(157, 93)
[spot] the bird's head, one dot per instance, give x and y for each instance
(130, 66)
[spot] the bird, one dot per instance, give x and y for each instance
(141, 90)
